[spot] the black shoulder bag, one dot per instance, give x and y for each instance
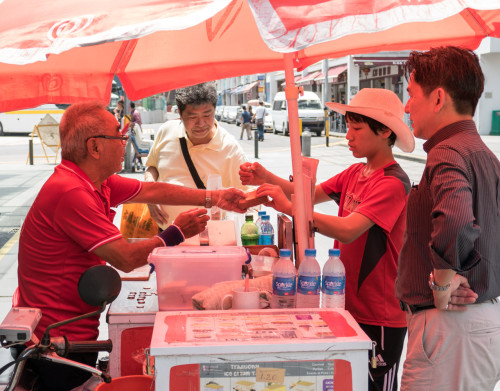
(189, 162)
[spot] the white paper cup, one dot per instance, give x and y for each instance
(242, 300)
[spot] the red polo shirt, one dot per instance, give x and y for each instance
(68, 220)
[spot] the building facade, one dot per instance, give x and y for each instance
(340, 79)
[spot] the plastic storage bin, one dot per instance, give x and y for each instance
(183, 271)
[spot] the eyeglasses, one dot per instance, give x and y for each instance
(122, 138)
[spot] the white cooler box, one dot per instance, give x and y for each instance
(183, 271)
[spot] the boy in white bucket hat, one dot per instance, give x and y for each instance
(371, 219)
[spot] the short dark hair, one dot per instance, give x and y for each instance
(244, 107)
(454, 69)
(132, 105)
(196, 95)
(373, 124)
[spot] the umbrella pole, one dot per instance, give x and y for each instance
(299, 204)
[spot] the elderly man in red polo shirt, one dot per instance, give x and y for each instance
(69, 228)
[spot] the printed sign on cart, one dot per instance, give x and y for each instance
(267, 376)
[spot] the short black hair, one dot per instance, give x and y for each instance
(196, 95)
(454, 69)
(132, 105)
(373, 124)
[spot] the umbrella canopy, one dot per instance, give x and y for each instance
(63, 52)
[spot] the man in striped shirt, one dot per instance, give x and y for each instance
(449, 266)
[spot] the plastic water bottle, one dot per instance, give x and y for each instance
(260, 213)
(249, 232)
(333, 287)
(309, 281)
(284, 281)
(266, 232)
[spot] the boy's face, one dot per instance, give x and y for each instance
(363, 142)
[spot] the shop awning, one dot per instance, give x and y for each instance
(246, 88)
(333, 74)
(307, 80)
(378, 61)
(297, 78)
(237, 90)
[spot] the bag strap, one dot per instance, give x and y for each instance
(189, 162)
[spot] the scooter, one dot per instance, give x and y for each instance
(98, 286)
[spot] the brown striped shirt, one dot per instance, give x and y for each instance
(453, 217)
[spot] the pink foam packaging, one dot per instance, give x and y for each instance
(183, 271)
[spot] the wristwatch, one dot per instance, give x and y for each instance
(436, 287)
(208, 199)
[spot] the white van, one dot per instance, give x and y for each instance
(24, 121)
(310, 112)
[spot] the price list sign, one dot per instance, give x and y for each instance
(267, 376)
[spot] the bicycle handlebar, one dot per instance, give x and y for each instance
(62, 346)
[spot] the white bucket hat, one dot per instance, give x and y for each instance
(385, 107)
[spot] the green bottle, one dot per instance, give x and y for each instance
(249, 232)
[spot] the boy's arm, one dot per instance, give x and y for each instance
(344, 229)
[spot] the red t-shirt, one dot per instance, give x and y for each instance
(68, 220)
(371, 260)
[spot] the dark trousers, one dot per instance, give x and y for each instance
(390, 342)
(58, 377)
(260, 129)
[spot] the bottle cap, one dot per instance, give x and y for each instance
(265, 217)
(334, 252)
(284, 252)
(261, 212)
(248, 218)
(310, 252)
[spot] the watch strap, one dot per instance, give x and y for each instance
(435, 287)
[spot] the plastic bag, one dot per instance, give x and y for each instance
(136, 222)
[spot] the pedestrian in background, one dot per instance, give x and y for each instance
(245, 123)
(260, 113)
(449, 266)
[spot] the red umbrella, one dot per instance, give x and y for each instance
(66, 51)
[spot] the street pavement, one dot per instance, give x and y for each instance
(20, 183)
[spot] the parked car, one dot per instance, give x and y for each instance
(232, 114)
(268, 122)
(218, 112)
(238, 116)
(225, 113)
(310, 112)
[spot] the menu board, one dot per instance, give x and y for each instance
(257, 327)
(268, 376)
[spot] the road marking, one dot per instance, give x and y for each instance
(10, 243)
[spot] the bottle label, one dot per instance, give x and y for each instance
(284, 286)
(308, 285)
(266, 239)
(334, 285)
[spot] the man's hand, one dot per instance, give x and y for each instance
(158, 214)
(228, 199)
(252, 174)
(457, 296)
(192, 222)
(279, 200)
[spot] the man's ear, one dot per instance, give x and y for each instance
(440, 98)
(93, 148)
